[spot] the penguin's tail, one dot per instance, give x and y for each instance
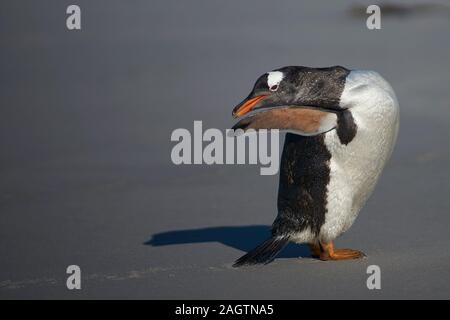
(264, 253)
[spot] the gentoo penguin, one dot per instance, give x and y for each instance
(342, 126)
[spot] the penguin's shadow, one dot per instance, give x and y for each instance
(243, 238)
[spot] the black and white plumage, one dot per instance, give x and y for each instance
(342, 128)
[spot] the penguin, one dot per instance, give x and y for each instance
(341, 129)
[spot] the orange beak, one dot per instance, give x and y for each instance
(247, 106)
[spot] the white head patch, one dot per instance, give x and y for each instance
(274, 78)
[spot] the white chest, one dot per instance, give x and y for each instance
(356, 167)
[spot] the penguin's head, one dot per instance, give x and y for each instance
(317, 88)
(299, 99)
(310, 101)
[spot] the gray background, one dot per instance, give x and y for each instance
(86, 176)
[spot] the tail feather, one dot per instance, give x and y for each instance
(264, 253)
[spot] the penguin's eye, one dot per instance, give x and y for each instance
(273, 80)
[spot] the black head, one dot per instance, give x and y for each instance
(293, 86)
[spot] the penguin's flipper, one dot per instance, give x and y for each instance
(264, 253)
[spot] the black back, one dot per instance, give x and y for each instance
(304, 176)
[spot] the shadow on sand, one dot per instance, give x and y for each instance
(243, 238)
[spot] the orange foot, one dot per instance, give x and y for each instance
(326, 251)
